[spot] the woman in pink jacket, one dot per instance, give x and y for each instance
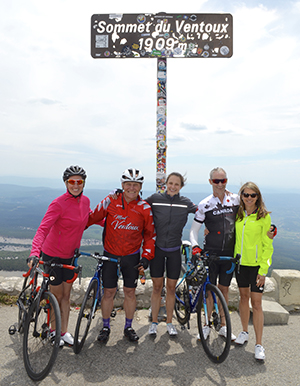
(58, 235)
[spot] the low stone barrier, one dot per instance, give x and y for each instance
(283, 287)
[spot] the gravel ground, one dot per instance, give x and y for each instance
(178, 361)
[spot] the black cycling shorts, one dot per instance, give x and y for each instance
(218, 269)
(58, 275)
(129, 273)
(247, 277)
(170, 260)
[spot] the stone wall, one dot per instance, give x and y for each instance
(282, 287)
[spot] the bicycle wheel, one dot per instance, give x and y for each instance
(85, 316)
(39, 350)
(216, 346)
(182, 308)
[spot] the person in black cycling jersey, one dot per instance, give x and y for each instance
(218, 212)
(170, 213)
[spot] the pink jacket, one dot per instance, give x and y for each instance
(61, 229)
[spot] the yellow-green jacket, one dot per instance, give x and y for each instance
(252, 242)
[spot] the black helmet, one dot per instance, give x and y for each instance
(74, 171)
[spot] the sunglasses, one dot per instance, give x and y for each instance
(252, 195)
(73, 182)
(217, 181)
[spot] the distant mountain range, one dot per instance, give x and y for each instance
(23, 207)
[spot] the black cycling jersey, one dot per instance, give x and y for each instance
(219, 219)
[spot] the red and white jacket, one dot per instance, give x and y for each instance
(127, 225)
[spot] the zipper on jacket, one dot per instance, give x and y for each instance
(242, 240)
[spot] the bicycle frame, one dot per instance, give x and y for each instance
(97, 275)
(193, 298)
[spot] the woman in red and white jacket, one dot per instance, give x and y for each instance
(57, 237)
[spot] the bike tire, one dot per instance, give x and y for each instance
(39, 350)
(21, 302)
(182, 309)
(85, 316)
(215, 346)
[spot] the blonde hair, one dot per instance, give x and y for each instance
(261, 208)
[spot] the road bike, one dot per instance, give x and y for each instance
(91, 302)
(196, 294)
(39, 319)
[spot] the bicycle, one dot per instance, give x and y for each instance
(38, 308)
(91, 301)
(196, 294)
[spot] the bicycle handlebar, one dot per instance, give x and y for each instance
(207, 259)
(99, 257)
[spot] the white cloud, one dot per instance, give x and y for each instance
(59, 106)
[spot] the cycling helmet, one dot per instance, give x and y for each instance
(74, 171)
(133, 175)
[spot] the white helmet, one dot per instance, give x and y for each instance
(133, 175)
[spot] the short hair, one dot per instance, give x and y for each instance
(218, 170)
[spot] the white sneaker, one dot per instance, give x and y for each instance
(259, 353)
(223, 332)
(153, 329)
(242, 338)
(52, 337)
(206, 332)
(68, 338)
(171, 329)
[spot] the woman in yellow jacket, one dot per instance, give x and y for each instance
(256, 249)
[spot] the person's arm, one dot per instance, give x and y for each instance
(267, 248)
(51, 216)
(99, 213)
(149, 236)
(192, 208)
(194, 232)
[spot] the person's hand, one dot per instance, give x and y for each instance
(206, 232)
(115, 193)
(260, 280)
(272, 232)
(143, 263)
(30, 260)
(196, 254)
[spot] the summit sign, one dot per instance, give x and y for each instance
(161, 35)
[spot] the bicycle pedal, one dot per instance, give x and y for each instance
(12, 329)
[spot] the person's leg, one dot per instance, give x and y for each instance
(107, 303)
(129, 302)
(225, 290)
(258, 316)
(156, 297)
(65, 306)
(244, 307)
(170, 298)
(57, 291)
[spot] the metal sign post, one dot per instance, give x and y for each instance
(161, 36)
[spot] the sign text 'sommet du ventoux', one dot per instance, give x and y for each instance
(161, 35)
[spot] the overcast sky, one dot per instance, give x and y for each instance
(59, 106)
